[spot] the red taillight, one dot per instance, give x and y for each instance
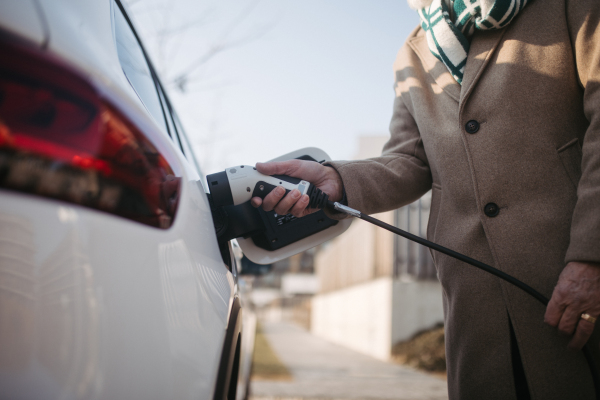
(60, 139)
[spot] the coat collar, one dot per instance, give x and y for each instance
(483, 46)
(433, 66)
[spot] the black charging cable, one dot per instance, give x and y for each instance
(318, 199)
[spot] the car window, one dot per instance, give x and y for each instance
(136, 67)
(186, 144)
(169, 119)
(176, 131)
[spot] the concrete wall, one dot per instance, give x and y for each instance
(363, 253)
(358, 317)
(360, 304)
(416, 306)
(371, 317)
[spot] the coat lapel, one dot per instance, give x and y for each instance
(483, 46)
(435, 67)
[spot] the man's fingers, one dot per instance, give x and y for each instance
(271, 200)
(582, 334)
(289, 167)
(325, 178)
(310, 211)
(285, 205)
(568, 321)
(256, 202)
(308, 170)
(298, 210)
(554, 311)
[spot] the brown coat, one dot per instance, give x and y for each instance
(534, 88)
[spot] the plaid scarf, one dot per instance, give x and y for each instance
(449, 29)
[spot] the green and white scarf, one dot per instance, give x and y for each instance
(449, 27)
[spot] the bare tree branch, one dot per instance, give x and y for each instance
(169, 36)
(182, 45)
(221, 44)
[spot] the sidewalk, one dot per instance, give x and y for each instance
(322, 370)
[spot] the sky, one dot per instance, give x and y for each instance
(293, 74)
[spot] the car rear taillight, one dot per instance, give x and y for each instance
(60, 139)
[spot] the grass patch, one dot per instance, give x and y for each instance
(425, 351)
(265, 363)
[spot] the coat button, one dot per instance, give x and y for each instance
(491, 210)
(472, 126)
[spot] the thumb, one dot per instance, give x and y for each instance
(289, 168)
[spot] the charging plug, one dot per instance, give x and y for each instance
(237, 185)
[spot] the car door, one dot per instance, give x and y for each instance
(198, 289)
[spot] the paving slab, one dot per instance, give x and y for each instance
(322, 370)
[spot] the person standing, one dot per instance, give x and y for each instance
(497, 111)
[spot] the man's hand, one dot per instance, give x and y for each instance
(325, 178)
(577, 292)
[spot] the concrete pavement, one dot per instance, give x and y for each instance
(322, 370)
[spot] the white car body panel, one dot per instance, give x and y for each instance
(23, 18)
(141, 314)
(95, 306)
(107, 323)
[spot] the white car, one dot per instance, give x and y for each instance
(112, 283)
(115, 282)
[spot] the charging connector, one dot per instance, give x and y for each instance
(318, 198)
(235, 217)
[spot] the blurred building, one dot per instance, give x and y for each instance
(376, 288)
(285, 292)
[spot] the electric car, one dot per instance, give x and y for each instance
(112, 282)
(118, 279)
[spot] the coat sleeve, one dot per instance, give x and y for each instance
(584, 20)
(398, 177)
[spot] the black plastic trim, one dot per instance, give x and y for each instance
(220, 189)
(262, 189)
(224, 385)
(148, 61)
